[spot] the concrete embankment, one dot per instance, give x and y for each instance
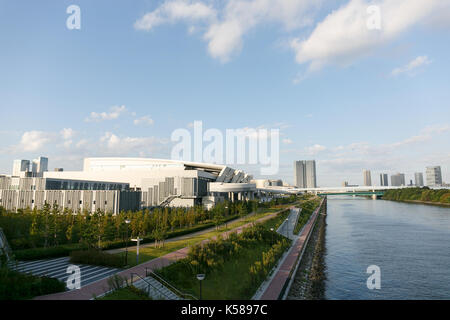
(309, 280)
(281, 281)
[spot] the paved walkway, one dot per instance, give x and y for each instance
(287, 227)
(183, 237)
(57, 268)
(282, 276)
(99, 287)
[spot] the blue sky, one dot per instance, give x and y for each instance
(349, 97)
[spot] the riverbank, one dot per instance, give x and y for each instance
(425, 195)
(430, 203)
(309, 281)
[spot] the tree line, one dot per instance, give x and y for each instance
(419, 194)
(51, 226)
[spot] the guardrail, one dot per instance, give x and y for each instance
(183, 295)
(287, 285)
(149, 285)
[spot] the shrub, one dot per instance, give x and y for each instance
(96, 257)
(18, 286)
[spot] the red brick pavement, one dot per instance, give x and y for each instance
(283, 275)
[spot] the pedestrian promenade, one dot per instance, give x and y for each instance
(280, 279)
(100, 287)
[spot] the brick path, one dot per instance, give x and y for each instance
(101, 286)
(275, 288)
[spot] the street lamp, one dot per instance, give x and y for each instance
(127, 222)
(271, 229)
(287, 227)
(138, 240)
(200, 278)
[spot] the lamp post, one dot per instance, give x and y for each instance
(200, 278)
(127, 222)
(287, 227)
(271, 229)
(138, 240)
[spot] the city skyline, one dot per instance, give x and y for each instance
(144, 89)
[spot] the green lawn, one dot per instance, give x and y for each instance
(231, 282)
(149, 253)
(308, 206)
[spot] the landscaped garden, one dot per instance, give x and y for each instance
(51, 232)
(235, 267)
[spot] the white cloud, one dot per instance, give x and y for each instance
(227, 24)
(315, 149)
(411, 66)
(110, 143)
(287, 141)
(145, 120)
(173, 11)
(67, 133)
(343, 36)
(32, 141)
(82, 143)
(113, 114)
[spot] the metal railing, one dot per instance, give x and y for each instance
(168, 200)
(149, 285)
(4, 246)
(179, 293)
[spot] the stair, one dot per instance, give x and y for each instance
(168, 200)
(155, 289)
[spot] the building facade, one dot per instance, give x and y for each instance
(418, 179)
(305, 174)
(367, 178)
(398, 180)
(156, 182)
(434, 176)
(384, 180)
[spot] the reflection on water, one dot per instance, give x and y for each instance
(409, 242)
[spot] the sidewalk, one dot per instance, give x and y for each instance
(186, 236)
(281, 277)
(100, 287)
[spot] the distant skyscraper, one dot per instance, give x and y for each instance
(418, 179)
(20, 166)
(398, 180)
(434, 176)
(305, 174)
(384, 180)
(39, 166)
(367, 178)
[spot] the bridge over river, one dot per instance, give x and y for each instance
(374, 191)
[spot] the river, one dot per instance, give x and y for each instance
(410, 243)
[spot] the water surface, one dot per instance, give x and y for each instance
(409, 242)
